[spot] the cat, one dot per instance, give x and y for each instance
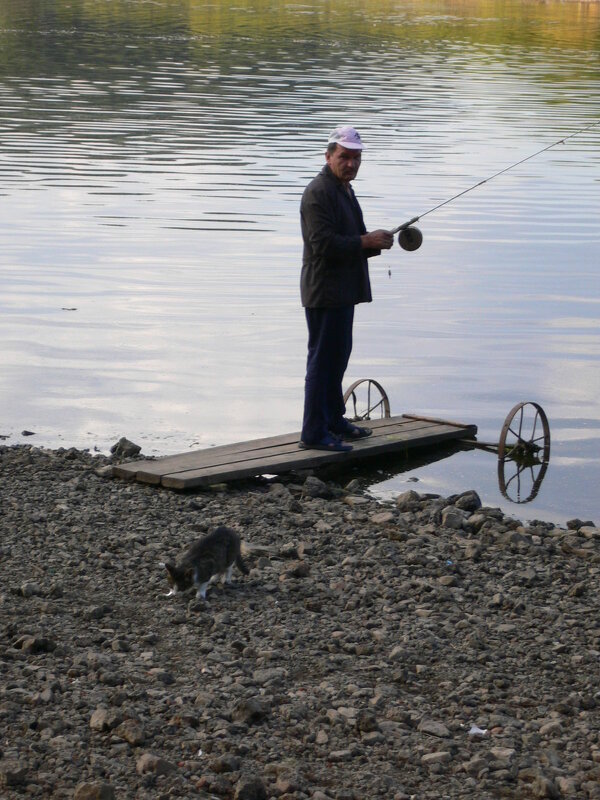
(214, 554)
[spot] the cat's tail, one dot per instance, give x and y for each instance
(255, 550)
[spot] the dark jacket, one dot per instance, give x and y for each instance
(334, 266)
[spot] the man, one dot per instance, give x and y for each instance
(334, 278)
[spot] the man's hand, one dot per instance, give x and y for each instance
(377, 240)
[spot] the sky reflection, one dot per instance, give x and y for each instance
(151, 181)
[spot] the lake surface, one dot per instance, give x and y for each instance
(152, 160)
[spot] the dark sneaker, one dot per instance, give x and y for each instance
(331, 445)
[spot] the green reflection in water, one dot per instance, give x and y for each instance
(127, 33)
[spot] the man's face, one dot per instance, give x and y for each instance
(344, 163)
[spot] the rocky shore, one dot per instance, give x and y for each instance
(422, 648)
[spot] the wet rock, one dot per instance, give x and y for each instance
(125, 449)
(407, 501)
(468, 501)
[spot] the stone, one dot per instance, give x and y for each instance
(356, 500)
(315, 487)
(252, 711)
(440, 757)
(341, 755)
(397, 644)
(468, 501)
(453, 518)
(104, 719)
(225, 763)
(270, 675)
(383, 518)
(433, 728)
(299, 569)
(552, 728)
(504, 755)
(125, 449)
(250, 788)
(590, 532)
(12, 773)
(31, 589)
(150, 763)
(94, 791)
(131, 731)
(545, 787)
(34, 644)
(407, 500)
(162, 675)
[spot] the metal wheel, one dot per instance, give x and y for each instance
(367, 399)
(525, 434)
(523, 452)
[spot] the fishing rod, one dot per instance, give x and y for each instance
(411, 238)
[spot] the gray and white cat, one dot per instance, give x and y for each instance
(209, 557)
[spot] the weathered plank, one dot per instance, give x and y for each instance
(268, 448)
(280, 454)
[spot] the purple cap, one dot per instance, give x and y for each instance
(346, 136)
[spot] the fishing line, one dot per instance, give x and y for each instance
(411, 238)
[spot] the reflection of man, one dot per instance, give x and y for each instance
(335, 277)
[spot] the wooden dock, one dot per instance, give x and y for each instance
(280, 454)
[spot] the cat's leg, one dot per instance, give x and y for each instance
(227, 574)
(201, 591)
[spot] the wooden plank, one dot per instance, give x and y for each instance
(306, 459)
(215, 457)
(278, 454)
(149, 471)
(435, 419)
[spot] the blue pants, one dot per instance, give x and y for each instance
(329, 348)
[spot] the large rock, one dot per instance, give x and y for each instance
(125, 449)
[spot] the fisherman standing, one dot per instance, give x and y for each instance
(334, 278)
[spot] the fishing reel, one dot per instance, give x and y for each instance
(409, 237)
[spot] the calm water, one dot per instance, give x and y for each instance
(151, 165)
